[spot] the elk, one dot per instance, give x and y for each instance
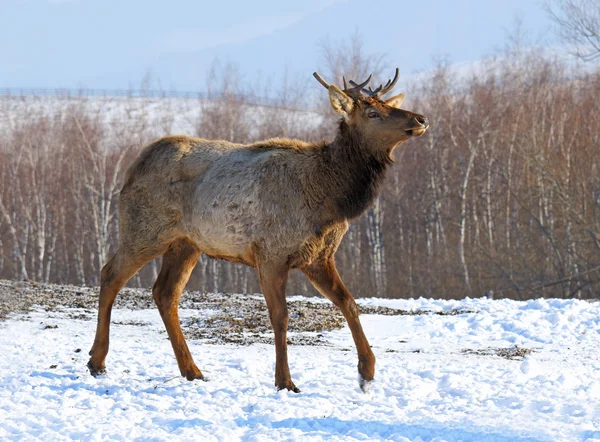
(275, 205)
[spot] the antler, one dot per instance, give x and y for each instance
(391, 83)
(379, 91)
(320, 80)
(356, 89)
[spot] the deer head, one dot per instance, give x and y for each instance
(381, 121)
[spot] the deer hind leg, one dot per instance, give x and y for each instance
(272, 281)
(178, 263)
(324, 276)
(115, 274)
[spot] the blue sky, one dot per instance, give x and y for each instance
(115, 43)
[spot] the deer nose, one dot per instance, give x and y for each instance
(423, 120)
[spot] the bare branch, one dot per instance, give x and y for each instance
(578, 23)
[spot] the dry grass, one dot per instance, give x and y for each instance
(515, 353)
(221, 318)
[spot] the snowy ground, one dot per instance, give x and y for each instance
(167, 116)
(439, 378)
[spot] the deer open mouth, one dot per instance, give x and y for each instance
(416, 131)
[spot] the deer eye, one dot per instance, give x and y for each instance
(372, 114)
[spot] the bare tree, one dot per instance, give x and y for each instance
(503, 194)
(578, 23)
(223, 113)
(349, 58)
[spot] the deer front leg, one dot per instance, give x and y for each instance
(326, 279)
(272, 281)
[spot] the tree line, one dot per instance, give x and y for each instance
(502, 194)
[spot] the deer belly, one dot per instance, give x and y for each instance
(223, 230)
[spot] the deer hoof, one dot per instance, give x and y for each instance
(96, 371)
(365, 385)
(192, 375)
(288, 386)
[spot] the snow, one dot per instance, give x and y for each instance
(165, 116)
(437, 379)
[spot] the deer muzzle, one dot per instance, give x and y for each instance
(421, 124)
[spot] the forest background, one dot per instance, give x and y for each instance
(501, 196)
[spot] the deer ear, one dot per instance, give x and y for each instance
(340, 102)
(396, 101)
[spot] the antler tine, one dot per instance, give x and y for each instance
(355, 86)
(375, 92)
(362, 85)
(388, 87)
(380, 90)
(320, 80)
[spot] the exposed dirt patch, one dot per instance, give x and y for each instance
(221, 318)
(19, 296)
(136, 323)
(515, 353)
(387, 311)
(246, 320)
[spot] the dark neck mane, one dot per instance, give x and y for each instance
(356, 171)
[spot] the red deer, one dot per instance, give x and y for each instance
(275, 205)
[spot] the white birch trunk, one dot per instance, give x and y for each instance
(463, 217)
